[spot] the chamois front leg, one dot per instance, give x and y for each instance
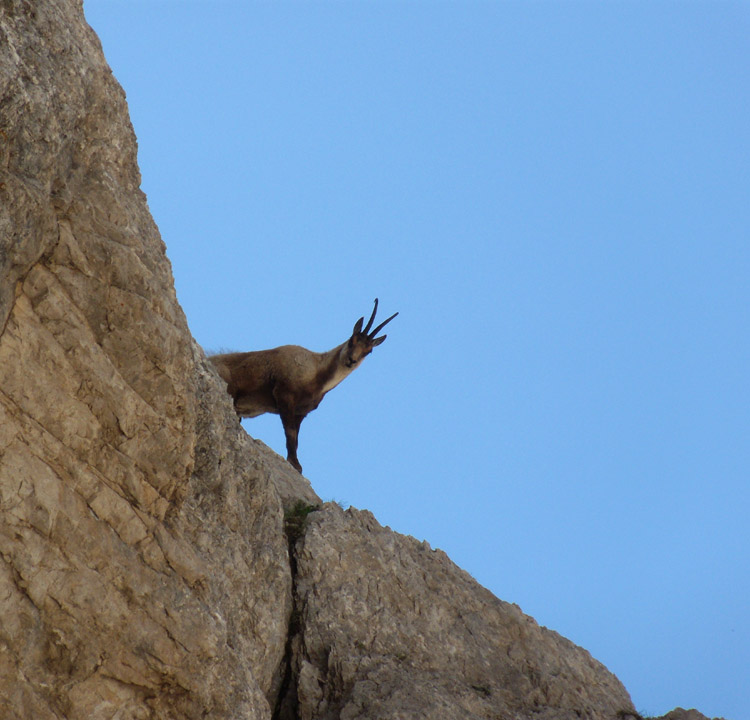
(291, 425)
(286, 402)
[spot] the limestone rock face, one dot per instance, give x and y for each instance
(680, 714)
(144, 567)
(389, 628)
(145, 571)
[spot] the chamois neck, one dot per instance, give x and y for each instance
(334, 368)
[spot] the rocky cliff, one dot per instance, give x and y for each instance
(149, 569)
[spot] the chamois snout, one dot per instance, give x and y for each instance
(357, 350)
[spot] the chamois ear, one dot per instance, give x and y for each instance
(358, 326)
(379, 340)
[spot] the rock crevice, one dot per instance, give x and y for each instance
(295, 521)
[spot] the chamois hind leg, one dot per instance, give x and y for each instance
(291, 425)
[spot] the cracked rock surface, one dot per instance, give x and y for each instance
(145, 568)
(391, 628)
(143, 565)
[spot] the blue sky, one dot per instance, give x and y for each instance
(555, 197)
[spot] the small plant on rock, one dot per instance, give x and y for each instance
(295, 519)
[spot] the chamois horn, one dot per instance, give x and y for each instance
(381, 326)
(372, 317)
(372, 334)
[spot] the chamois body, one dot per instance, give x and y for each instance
(291, 380)
(256, 380)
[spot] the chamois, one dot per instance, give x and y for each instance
(290, 380)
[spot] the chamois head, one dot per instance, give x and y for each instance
(362, 342)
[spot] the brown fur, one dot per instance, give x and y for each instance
(290, 380)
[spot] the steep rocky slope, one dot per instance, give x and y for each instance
(145, 565)
(390, 628)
